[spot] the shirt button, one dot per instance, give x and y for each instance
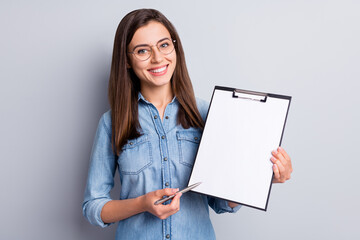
(167, 117)
(163, 137)
(155, 116)
(168, 236)
(167, 184)
(196, 138)
(165, 158)
(131, 143)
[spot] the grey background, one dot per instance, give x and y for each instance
(54, 67)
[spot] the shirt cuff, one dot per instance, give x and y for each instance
(92, 212)
(233, 210)
(221, 206)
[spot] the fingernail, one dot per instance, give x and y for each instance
(274, 152)
(279, 148)
(175, 190)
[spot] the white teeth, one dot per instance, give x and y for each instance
(158, 70)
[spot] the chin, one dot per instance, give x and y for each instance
(160, 83)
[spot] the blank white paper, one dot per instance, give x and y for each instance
(233, 159)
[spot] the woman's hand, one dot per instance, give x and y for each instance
(282, 165)
(162, 211)
(282, 168)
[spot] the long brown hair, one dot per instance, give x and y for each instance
(124, 85)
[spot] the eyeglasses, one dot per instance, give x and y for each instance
(143, 52)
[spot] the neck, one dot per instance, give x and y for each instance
(160, 97)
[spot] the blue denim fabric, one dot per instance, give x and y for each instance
(143, 168)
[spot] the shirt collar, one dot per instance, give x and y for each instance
(141, 97)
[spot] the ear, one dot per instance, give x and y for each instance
(128, 65)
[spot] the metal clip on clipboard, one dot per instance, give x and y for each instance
(254, 96)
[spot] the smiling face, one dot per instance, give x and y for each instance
(159, 68)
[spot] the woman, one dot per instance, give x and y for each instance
(151, 135)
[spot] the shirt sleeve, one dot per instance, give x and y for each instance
(221, 206)
(203, 107)
(101, 174)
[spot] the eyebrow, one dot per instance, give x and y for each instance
(147, 45)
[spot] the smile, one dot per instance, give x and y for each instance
(158, 71)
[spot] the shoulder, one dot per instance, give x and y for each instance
(203, 107)
(105, 121)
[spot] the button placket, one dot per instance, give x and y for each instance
(166, 180)
(161, 127)
(167, 113)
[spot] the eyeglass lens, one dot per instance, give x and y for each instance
(143, 53)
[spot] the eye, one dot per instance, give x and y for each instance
(164, 45)
(142, 51)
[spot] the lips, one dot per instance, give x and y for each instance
(158, 71)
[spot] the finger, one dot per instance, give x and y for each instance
(284, 153)
(175, 203)
(172, 208)
(288, 159)
(276, 172)
(167, 191)
(280, 167)
(280, 157)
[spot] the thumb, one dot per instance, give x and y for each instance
(169, 191)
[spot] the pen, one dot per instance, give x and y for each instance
(182, 191)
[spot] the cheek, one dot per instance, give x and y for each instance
(138, 67)
(173, 60)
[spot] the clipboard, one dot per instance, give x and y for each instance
(233, 159)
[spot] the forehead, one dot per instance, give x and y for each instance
(150, 34)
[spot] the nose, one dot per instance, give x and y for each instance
(156, 55)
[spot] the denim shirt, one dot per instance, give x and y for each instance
(162, 157)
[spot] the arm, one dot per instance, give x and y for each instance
(101, 172)
(117, 210)
(98, 207)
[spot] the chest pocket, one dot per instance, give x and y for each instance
(188, 142)
(135, 156)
